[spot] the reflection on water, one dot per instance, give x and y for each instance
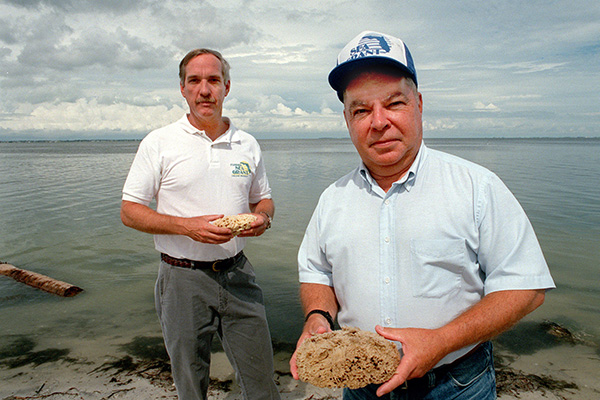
(59, 213)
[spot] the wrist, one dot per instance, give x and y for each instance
(178, 225)
(269, 218)
(324, 314)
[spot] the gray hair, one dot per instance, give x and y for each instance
(194, 53)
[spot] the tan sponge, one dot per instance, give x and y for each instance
(350, 358)
(236, 223)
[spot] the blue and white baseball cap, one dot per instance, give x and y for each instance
(371, 48)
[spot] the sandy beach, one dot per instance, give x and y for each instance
(567, 371)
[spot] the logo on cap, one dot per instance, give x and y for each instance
(370, 45)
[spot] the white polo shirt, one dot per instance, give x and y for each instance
(445, 235)
(190, 175)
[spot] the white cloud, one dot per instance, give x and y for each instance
(282, 119)
(439, 125)
(86, 115)
(280, 57)
(88, 66)
(528, 67)
(281, 109)
(480, 106)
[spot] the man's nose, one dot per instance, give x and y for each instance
(204, 88)
(379, 119)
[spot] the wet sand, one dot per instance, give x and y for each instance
(554, 368)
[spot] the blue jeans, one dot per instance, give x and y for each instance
(193, 306)
(470, 379)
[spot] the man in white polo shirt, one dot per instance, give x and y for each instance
(199, 169)
(430, 250)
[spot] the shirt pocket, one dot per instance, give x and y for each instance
(437, 267)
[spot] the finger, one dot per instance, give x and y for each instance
(249, 233)
(390, 385)
(216, 238)
(322, 329)
(294, 367)
(213, 217)
(313, 328)
(388, 333)
(219, 234)
(219, 230)
(258, 222)
(400, 376)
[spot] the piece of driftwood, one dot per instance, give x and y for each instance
(40, 281)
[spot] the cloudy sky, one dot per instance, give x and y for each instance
(107, 69)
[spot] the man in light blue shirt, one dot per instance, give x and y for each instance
(428, 249)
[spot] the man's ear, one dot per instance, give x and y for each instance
(344, 112)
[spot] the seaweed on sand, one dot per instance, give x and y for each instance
(527, 338)
(20, 352)
(514, 382)
(147, 357)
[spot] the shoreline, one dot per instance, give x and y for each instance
(562, 366)
(131, 379)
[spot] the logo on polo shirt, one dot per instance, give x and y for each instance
(370, 45)
(241, 169)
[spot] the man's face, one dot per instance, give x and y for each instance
(204, 88)
(383, 115)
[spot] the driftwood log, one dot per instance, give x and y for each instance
(39, 281)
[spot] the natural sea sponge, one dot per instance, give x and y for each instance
(350, 358)
(236, 223)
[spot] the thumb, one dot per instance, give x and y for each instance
(321, 329)
(213, 217)
(389, 333)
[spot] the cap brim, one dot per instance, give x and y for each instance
(337, 76)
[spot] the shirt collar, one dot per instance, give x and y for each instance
(408, 180)
(230, 136)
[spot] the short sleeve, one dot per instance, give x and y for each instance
(510, 255)
(313, 266)
(143, 180)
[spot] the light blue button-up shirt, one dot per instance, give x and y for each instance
(445, 235)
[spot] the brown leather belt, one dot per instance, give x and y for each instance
(217, 266)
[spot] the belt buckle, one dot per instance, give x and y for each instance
(404, 386)
(215, 267)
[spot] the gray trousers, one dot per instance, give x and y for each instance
(193, 305)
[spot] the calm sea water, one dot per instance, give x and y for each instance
(59, 215)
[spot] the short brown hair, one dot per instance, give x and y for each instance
(194, 53)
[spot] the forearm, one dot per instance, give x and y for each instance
(494, 314)
(199, 228)
(424, 348)
(314, 296)
(145, 219)
(265, 205)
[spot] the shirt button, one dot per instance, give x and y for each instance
(387, 280)
(387, 202)
(387, 239)
(388, 321)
